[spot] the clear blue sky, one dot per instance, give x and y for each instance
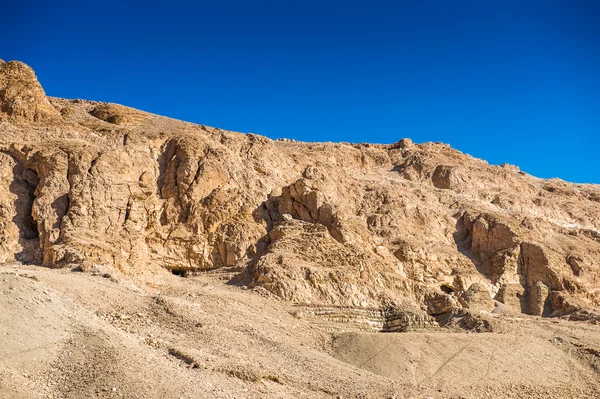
(507, 81)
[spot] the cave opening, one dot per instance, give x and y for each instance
(447, 289)
(23, 186)
(180, 272)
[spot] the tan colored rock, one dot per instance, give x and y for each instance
(305, 264)
(22, 97)
(19, 239)
(445, 177)
(512, 295)
(538, 299)
(576, 264)
(106, 187)
(477, 298)
(119, 115)
(439, 303)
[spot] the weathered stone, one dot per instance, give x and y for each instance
(439, 303)
(576, 264)
(477, 298)
(536, 267)
(22, 98)
(538, 299)
(108, 188)
(512, 295)
(445, 177)
(118, 114)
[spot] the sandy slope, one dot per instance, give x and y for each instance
(67, 334)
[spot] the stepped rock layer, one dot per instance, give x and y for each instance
(418, 227)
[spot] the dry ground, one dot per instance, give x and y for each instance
(66, 334)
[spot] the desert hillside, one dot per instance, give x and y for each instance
(148, 257)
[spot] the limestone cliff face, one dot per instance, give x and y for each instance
(21, 96)
(420, 227)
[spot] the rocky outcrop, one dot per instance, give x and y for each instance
(439, 303)
(303, 202)
(477, 298)
(446, 177)
(512, 294)
(364, 319)
(538, 297)
(20, 237)
(118, 114)
(418, 230)
(304, 263)
(22, 98)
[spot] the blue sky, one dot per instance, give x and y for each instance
(507, 81)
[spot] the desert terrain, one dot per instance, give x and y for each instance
(146, 257)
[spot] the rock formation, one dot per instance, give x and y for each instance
(417, 228)
(22, 97)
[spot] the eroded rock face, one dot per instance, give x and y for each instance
(492, 243)
(19, 240)
(512, 294)
(538, 299)
(440, 303)
(446, 177)
(477, 298)
(118, 114)
(304, 202)
(412, 229)
(22, 98)
(305, 264)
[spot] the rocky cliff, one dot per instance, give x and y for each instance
(418, 228)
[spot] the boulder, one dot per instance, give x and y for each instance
(477, 298)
